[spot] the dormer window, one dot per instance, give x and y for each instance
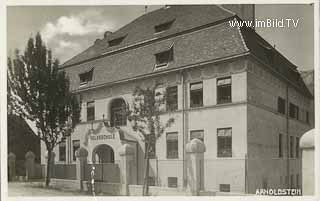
(86, 77)
(163, 58)
(163, 27)
(116, 41)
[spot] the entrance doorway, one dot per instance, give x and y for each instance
(103, 154)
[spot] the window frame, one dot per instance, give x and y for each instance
(224, 186)
(199, 130)
(91, 117)
(219, 100)
(175, 181)
(192, 105)
(85, 77)
(63, 145)
(118, 111)
(74, 158)
(281, 102)
(297, 147)
(170, 106)
(167, 56)
(280, 145)
(219, 154)
(172, 156)
(163, 27)
(291, 146)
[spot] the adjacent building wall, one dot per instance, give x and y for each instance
(264, 126)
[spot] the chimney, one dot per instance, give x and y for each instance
(244, 11)
(107, 34)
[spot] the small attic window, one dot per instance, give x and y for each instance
(85, 77)
(163, 58)
(116, 41)
(162, 27)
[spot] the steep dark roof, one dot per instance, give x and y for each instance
(198, 33)
(142, 28)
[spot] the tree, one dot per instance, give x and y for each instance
(39, 92)
(145, 119)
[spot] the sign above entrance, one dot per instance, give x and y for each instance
(102, 137)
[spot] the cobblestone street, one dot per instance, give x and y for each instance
(35, 189)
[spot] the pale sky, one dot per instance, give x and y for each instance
(68, 30)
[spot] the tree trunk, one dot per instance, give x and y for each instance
(48, 176)
(146, 176)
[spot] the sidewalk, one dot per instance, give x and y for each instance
(37, 189)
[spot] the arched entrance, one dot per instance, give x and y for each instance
(103, 154)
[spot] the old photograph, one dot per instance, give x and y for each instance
(160, 100)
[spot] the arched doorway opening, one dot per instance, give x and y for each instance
(103, 154)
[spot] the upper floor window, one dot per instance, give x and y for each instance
(197, 134)
(172, 145)
(297, 147)
(224, 90)
(307, 117)
(172, 98)
(163, 58)
(62, 151)
(196, 94)
(294, 111)
(86, 77)
(280, 145)
(116, 41)
(224, 142)
(163, 27)
(291, 147)
(90, 111)
(118, 112)
(281, 105)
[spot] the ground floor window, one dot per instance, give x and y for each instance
(75, 147)
(224, 142)
(62, 151)
(172, 182)
(151, 181)
(172, 145)
(224, 187)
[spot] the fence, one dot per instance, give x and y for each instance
(64, 171)
(104, 172)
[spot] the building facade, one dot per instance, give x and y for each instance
(226, 86)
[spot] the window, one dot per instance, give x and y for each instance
(291, 146)
(298, 181)
(307, 117)
(224, 187)
(280, 145)
(152, 147)
(163, 27)
(224, 142)
(297, 147)
(172, 182)
(291, 181)
(90, 111)
(75, 146)
(197, 134)
(294, 111)
(172, 145)
(196, 94)
(118, 113)
(151, 181)
(172, 98)
(265, 183)
(224, 90)
(163, 58)
(281, 105)
(62, 151)
(86, 77)
(116, 41)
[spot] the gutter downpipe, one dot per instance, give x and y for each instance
(288, 138)
(183, 131)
